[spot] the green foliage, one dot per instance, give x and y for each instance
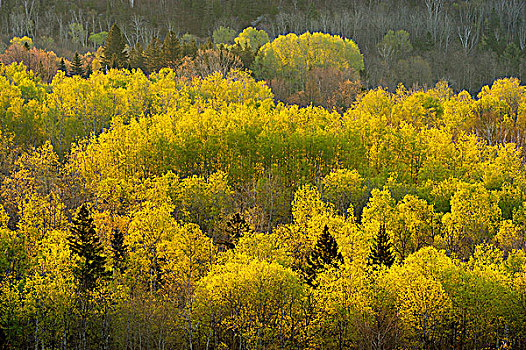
(98, 39)
(119, 250)
(252, 38)
(324, 255)
(76, 66)
(153, 58)
(84, 242)
(180, 168)
(381, 251)
(115, 55)
(223, 35)
(290, 57)
(62, 66)
(137, 59)
(171, 51)
(77, 32)
(395, 45)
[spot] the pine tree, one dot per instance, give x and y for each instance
(115, 55)
(189, 49)
(171, 51)
(324, 255)
(88, 71)
(84, 242)
(137, 58)
(62, 67)
(76, 66)
(382, 251)
(119, 250)
(153, 56)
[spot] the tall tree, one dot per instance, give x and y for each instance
(62, 66)
(324, 255)
(137, 60)
(153, 56)
(171, 51)
(115, 55)
(119, 250)
(85, 244)
(89, 269)
(190, 48)
(76, 66)
(382, 250)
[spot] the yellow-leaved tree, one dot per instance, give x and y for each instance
(250, 303)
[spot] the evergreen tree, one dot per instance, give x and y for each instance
(115, 55)
(84, 242)
(171, 51)
(62, 66)
(137, 58)
(119, 250)
(88, 71)
(190, 49)
(153, 56)
(324, 255)
(382, 251)
(76, 66)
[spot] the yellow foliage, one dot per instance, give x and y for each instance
(256, 300)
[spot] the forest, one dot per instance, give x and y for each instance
(469, 43)
(162, 212)
(255, 190)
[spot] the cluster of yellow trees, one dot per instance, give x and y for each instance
(221, 196)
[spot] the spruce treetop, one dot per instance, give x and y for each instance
(115, 55)
(324, 255)
(84, 242)
(382, 250)
(76, 65)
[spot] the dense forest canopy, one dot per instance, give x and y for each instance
(252, 175)
(213, 217)
(467, 43)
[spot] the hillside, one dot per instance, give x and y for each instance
(467, 43)
(157, 211)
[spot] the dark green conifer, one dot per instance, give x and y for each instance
(382, 251)
(76, 66)
(84, 242)
(137, 58)
(324, 255)
(62, 66)
(115, 55)
(190, 49)
(88, 71)
(119, 250)
(171, 51)
(153, 56)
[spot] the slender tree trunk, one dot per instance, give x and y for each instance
(36, 333)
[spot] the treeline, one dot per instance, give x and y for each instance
(160, 212)
(317, 68)
(468, 43)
